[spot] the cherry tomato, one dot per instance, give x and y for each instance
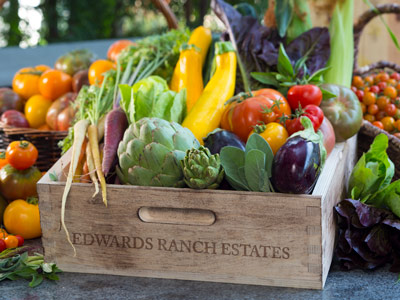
(313, 112)
(36, 110)
(397, 125)
(358, 81)
(97, 70)
(373, 109)
(374, 89)
(382, 77)
(388, 123)
(21, 154)
(378, 124)
(382, 86)
(304, 95)
(11, 242)
(382, 102)
(398, 87)
(20, 240)
(115, 49)
(316, 111)
(370, 118)
(274, 133)
(3, 159)
(380, 115)
(363, 107)
(54, 84)
(392, 82)
(395, 76)
(390, 109)
(3, 233)
(369, 80)
(3, 245)
(369, 98)
(360, 94)
(26, 81)
(390, 92)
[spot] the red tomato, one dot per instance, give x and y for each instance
(20, 240)
(115, 49)
(374, 89)
(266, 106)
(304, 95)
(313, 112)
(3, 245)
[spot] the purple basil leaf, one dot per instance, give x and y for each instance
(378, 241)
(315, 43)
(367, 214)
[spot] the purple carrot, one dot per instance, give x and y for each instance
(115, 126)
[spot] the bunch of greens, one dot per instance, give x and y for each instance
(370, 179)
(159, 53)
(16, 266)
(151, 97)
(368, 236)
(249, 170)
(258, 46)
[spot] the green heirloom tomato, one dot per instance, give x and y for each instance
(3, 205)
(343, 111)
(75, 61)
(18, 184)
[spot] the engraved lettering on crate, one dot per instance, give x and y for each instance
(194, 247)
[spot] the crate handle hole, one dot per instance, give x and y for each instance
(179, 216)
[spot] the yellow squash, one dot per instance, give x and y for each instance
(201, 37)
(206, 114)
(188, 74)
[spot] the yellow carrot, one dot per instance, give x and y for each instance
(94, 145)
(92, 168)
(79, 138)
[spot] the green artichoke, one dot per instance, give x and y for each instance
(151, 151)
(202, 170)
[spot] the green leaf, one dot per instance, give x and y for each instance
(233, 160)
(265, 78)
(300, 63)
(326, 94)
(127, 103)
(317, 75)
(53, 176)
(36, 280)
(283, 15)
(254, 168)
(178, 109)
(257, 142)
(284, 65)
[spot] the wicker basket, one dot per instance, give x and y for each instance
(368, 131)
(45, 141)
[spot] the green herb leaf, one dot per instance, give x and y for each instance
(265, 78)
(284, 65)
(254, 168)
(257, 142)
(233, 160)
(53, 176)
(283, 15)
(317, 76)
(326, 94)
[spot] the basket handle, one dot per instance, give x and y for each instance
(163, 6)
(363, 20)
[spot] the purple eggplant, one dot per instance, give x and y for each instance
(220, 138)
(296, 166)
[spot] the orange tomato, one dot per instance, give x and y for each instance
(378, 124)
(358, 82)
(370, 118)
(390, 92)
(373, 109)
(115, 49)
(3, 159)
(363, 107)
(54, 83)
(380, 115)
(97, 69)
(388, 123)
(44, 127)
(382, 102)
(21, 154)
(3, 233)
(274, 133)
(397, 125)
(369, 80)
(26, 81)
(369, 98)
(36, 110)
(11, 242)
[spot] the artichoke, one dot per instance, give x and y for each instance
(202, 170)
(151, 151)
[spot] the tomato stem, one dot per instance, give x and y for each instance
(23, 144)
(32, 200)
(2, 154)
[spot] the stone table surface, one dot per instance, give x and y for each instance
(379, 284)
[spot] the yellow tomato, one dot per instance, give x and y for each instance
(22, 218)
(26, 81)
(274, 133)
(54, 84)
(36, 109)
(97, 70)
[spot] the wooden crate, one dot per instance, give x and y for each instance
(222, 236)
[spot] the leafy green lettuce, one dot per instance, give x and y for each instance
(373, 172)
(151, 97)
